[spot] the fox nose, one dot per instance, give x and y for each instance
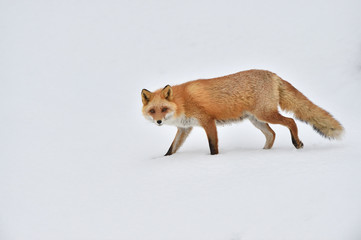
(159, 121)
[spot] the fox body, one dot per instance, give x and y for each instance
(252, 94)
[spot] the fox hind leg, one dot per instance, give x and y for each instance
(266, 130)
(277, 118)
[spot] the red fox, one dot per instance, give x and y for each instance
(252, 94)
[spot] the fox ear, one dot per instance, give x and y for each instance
(167, 92)
(146, 95)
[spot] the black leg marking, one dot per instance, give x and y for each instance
(212, 148)
(169, 151)
(294, 141)
(297, 145)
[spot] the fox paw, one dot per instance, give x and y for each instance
(299, 145)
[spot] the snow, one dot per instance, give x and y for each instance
(79, 161)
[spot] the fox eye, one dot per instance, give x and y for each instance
(164, 109)
(152, 111)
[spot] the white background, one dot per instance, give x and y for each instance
(79, 161)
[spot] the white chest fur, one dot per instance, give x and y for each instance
(182, 121)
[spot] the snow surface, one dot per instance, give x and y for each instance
(79, 162)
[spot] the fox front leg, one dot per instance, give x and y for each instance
(211, 131)
(179, 139)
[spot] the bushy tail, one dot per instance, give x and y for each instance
(294, 101)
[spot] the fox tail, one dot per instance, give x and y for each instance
(292, 100)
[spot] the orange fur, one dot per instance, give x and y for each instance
(254, 94)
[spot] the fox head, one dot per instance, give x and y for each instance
(158, 106)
